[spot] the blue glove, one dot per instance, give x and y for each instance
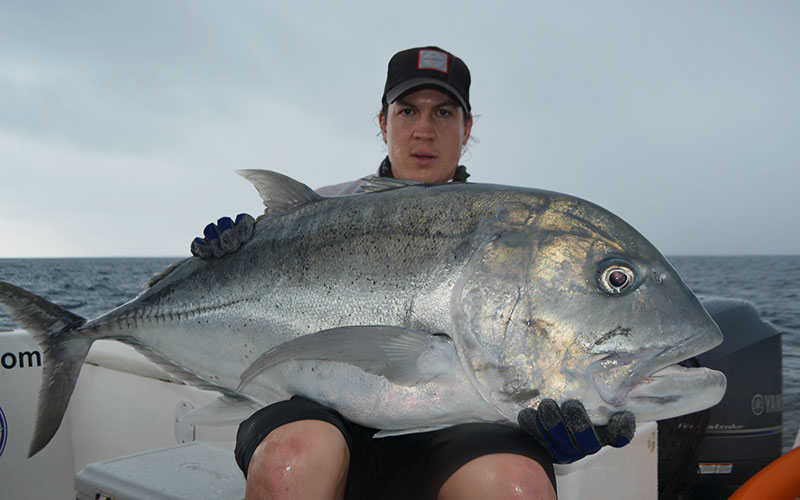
(569, 434)
(224, 237)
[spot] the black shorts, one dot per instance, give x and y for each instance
(412, 466)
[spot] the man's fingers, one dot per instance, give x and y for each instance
(243, 227)
(200, 248)
(578, 422)
(549, 414)
(567, 430)
(224, 224)
(224, 237)
(575, 415)
(624, 426)
(546, 425)
(554, 428)
(619, 431)
(227, 238)
(210, 232)
(527, 421)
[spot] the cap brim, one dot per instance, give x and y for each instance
(404, 88)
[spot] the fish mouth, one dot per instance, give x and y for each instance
(674, 382)
(653, 374)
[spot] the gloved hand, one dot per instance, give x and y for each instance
(569, 434)
(224, 237)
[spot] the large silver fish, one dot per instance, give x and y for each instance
(409, 308)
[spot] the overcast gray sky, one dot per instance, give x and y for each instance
(122, 123)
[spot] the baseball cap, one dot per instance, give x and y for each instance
(427, 67)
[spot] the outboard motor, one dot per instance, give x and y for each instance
(709, 454)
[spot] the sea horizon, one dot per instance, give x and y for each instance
(668, 255)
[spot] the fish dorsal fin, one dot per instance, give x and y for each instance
(163, 274)
(279, 192)
(373, 183)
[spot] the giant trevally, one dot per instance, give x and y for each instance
(409, 308)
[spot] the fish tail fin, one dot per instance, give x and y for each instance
(64, 351)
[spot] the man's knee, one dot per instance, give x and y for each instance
(298, 455)
(501, 475)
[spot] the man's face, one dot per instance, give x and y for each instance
(424, 133)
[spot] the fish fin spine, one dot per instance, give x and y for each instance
(279, 193)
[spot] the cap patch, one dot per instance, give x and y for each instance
(433, 59)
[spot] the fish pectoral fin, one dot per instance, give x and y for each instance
(403, 356)
(403, 432)
(279, 192)
(224, 410)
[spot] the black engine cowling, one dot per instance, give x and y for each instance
(709, 454)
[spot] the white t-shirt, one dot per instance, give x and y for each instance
(343, 189)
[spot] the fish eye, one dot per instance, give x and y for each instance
(617, 278)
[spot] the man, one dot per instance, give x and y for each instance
(299, 449)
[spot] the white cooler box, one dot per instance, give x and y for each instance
(194, 471)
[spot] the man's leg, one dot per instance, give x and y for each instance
(474, 461)
(498, 476)
(305, 459)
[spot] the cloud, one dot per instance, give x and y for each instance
(122, 122)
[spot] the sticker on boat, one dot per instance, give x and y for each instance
(3, 431)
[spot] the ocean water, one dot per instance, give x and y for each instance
(90, 287)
